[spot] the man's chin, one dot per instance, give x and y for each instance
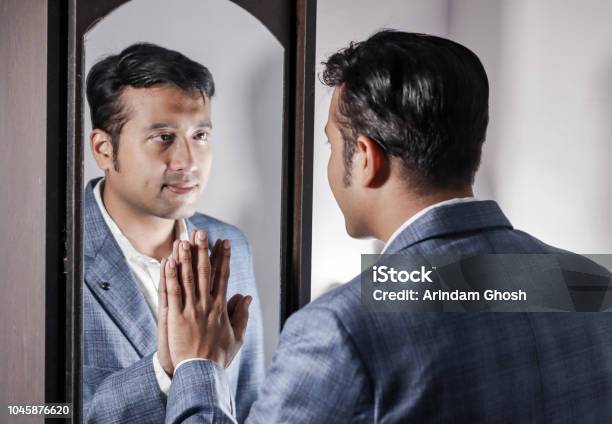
(356, 231)
(350, 230)
(183, 212)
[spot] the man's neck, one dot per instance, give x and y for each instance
(405, 206)
(150, 235)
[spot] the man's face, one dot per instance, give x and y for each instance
(345, 194)
(164, 155)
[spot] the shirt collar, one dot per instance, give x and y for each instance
(423, 212)
(124, 244)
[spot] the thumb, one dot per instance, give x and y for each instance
(233, 302)
(240, 317)
(162, 309)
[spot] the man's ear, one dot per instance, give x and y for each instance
(374, 167)
(102, 148)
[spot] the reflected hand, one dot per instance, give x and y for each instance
(163, 351)
(201, 323)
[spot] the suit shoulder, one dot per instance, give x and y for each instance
(568, 260)
(538, 246)
(343, 302)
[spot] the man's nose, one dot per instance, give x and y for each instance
(181, 156)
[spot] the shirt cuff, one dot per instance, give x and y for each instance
(184, 361)
(163, 379)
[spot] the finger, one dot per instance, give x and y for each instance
(175, 247)
(161, 288)
(233, 302)
(173, 289)
(222, 273)
(186, 272)
(240, 318)
(162, 310)
(203, 266)
(194, 262)
(213, 263)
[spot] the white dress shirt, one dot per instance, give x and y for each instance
(421, 213)
(146, 271)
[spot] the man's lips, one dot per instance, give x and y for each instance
(181, 188)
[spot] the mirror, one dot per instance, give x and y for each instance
(546, 157)
(247, 64)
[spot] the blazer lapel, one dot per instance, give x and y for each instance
(451, 219)
(210, 232)
(109, 278)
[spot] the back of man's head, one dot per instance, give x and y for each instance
(423, 98)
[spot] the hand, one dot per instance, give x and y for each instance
(163, 350)
(200, 321)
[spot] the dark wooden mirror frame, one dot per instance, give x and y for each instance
(293, 24)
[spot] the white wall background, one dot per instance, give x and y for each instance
(547, 155)
(246, 61)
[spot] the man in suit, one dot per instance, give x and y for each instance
(406, 125)
(151, 119)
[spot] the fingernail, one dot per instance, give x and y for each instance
(227, 244)
(171, 263)
(201, 235)
(185, 245)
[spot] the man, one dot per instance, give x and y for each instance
(406, 125)
(151, 120)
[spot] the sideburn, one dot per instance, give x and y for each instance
(115, 143)
(348, 152)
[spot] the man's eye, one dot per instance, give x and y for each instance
(202, 136)
(164, 138)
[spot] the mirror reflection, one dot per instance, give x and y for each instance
(183, 130)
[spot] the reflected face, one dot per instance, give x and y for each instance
(164, 155)
(345, 194)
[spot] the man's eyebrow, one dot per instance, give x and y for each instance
(158, 125)
(205, 124)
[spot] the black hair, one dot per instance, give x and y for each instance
(423, 98)
(140, 65)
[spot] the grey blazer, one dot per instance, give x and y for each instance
(119, 330)
(337, 362)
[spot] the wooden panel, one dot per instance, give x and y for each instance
(58, 344)
(274, 14)
(23, 49)
(297, 171)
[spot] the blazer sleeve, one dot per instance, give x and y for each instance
(251, 369)
(316, 376)
(129, 395)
